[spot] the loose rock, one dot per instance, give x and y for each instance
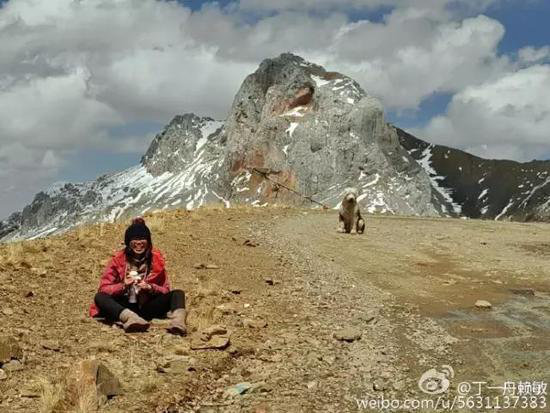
(94, 372)
(228, 308)
(311, 385)
(237, 389)
(379, 385)
(7, 311)
(234, 290)
(215, 330)
(248, 323)
(51, 345)
(216, 342)
(523, 291)
(9, 349)
(88, 382)
(348, 334)
(483, 304)
(178, 365)
(12, 365)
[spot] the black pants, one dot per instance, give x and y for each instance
(110, 307)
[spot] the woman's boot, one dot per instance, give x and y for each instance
(132, 323)
(178, 325)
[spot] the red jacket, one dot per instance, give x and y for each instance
(112, 280)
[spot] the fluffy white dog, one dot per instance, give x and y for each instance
(349, 215)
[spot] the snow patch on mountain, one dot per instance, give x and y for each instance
(435, 179)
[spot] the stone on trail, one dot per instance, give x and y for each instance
(348, 334)
(13, 365)
(93, 372)
(89, 379)
(379, 385)
(3, 375)
(210, 266)
(51, 345)
(228, 308)
(523, 291)
(233, 289)
(88, 382)
(9, 349)
(369, 317)
(483, 304)
(248, 323)
(216, 342)
(7, 311)
(237, 389)
(178, 365)
(215, 330)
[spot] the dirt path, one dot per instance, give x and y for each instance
(286, 283)
(427, 274)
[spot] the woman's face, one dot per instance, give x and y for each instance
(139, 246)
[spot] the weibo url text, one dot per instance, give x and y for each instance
(456, 402)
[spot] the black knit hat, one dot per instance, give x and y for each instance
(137, 230)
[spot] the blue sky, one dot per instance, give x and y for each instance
(84, 88)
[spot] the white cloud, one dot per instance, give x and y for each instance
(412, 53)
(531, 55)
(328, 5)
(415, 57)
(53, 111)
(505, 118)
(23, 172)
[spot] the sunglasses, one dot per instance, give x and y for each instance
(138, 242)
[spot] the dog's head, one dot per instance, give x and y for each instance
(350, 195)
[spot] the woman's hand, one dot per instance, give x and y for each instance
(144, 286)
(129, 280)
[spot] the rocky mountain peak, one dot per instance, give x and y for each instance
(319, 132)
(178, 143)
(294, 125)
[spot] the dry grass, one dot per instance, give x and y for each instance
(50, 395)
(72, 393)
(212, 206)
(103, 347)
(202, 319)
(88, 400)
(149, 385)
(156, 222)
(14, 252)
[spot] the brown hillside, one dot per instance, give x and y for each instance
(286, 283)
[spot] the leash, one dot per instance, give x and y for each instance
(265, 174)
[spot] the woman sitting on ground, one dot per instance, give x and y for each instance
(134, 286)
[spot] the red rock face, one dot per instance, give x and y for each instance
(303, 97)
(253, 159)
